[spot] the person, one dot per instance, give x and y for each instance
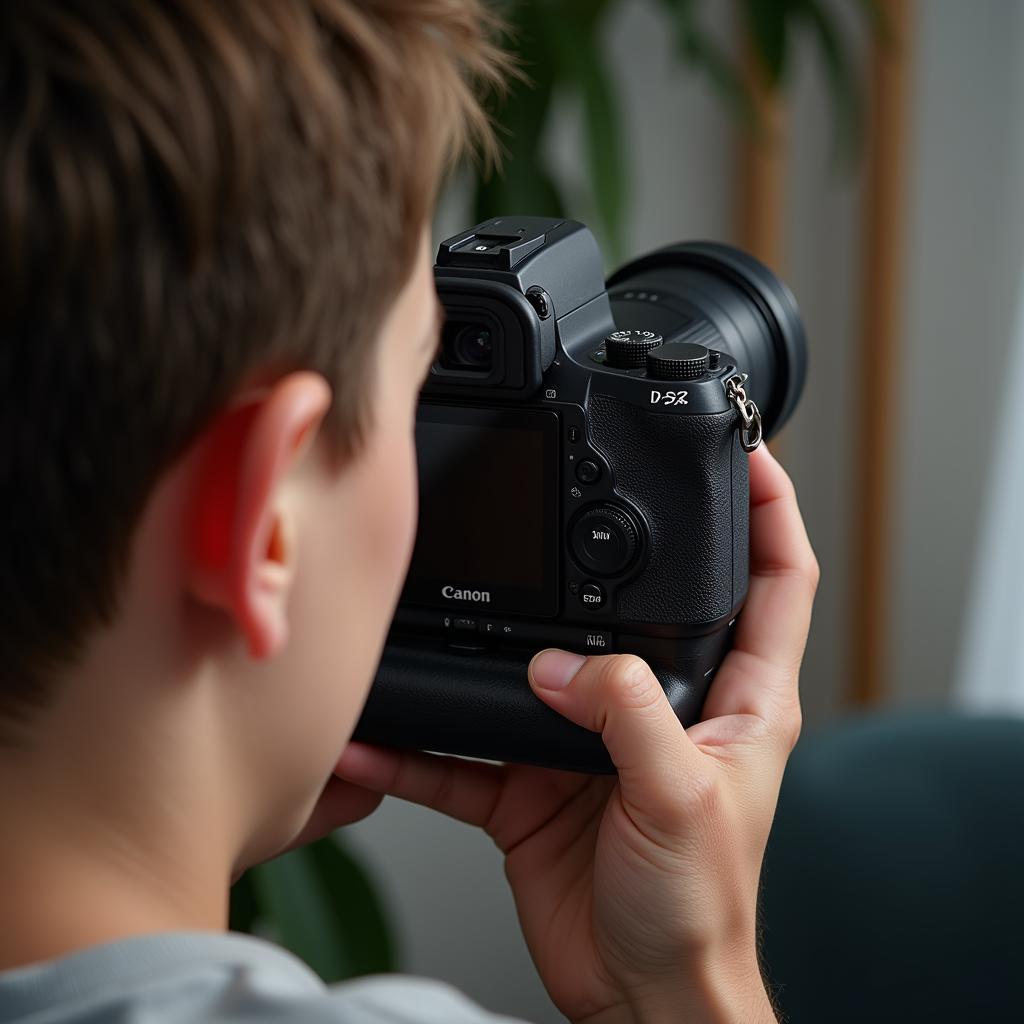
(216, 312)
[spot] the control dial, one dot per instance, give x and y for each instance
(604, 540)
(626, 349)
(678, 360)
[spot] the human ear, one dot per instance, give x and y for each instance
(242, 547)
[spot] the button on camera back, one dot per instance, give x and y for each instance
(604, 540)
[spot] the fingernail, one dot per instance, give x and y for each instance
(554, 670)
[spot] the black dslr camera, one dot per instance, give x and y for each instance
(583, 477)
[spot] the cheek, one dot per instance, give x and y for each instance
(350, 576)
(389, 511)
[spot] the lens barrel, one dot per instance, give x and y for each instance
(753, 311)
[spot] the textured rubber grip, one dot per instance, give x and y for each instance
(481, 705)
(688, 477)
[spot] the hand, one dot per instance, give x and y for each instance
(637, 894)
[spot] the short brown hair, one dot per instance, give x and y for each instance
(192, 191)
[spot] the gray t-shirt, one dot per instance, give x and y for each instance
(212, 978)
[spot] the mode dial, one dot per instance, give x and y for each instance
(678, 360)
(604, 540)
(626, 349)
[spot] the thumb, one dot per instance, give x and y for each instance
(620, 697)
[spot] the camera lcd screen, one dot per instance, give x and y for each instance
(488, 522)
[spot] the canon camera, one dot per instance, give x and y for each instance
(583, 459)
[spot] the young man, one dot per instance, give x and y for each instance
(216, 312)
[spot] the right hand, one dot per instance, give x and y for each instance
(637, 894)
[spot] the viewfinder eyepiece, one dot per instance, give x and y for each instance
(467, 347)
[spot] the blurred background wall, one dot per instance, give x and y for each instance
(954, 506)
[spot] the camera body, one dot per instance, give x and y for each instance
(583, 478)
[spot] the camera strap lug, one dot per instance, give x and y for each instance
(751, 432)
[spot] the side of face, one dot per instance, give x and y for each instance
(262, 580)
(349, 533)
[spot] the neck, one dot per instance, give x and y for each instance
(97, 848)
(58, 900)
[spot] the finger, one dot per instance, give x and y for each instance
(340, 803)
(760, 675)
(778, 539)
(466, 790)
(620, 697)
(783, 569)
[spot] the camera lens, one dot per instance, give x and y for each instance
(753, 311)
(467, 346)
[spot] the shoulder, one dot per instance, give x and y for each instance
(219, 979)
(399, 999)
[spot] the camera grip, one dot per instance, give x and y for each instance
(480, 705)
(688, 475)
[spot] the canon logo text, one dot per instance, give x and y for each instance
(455, 594)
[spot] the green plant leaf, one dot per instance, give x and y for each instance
(583, 14)
(559, 50)
(696, 48)
(766, 26)
(575, 38)
(244, 907)
(296, 908)
(842, 84)
(877, 18)
(319, 903)
(521, 188)
(765, 22)
(605, 148)
(359, 914)
(522, 184)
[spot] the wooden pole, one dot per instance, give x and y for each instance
(879, 352)
(762, 168)
(761, 185)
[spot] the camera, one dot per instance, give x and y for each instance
(582, 452)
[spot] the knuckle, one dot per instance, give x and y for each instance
(806, 573)
(813, 570)
(404, 775)
(698, 798)
(787, 490)
(444, 789)
(790, 727)
(678, 804)
(630, 679)
(784, 721)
